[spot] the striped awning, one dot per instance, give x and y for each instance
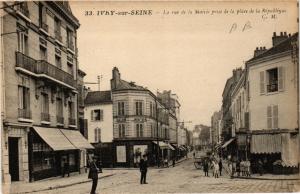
(265, 143)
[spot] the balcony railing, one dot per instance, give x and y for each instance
(58, 35)
(45, 116)
(60, 119)
(43, 67)
(72, 121)
(44, 26)
(23, 9)
(272, 87)
(24, 113)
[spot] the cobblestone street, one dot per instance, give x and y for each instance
(181, 179)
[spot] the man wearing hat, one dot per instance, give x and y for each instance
(93, 174)
(143, 169)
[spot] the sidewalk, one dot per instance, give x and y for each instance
(54, 183)
(272, 177)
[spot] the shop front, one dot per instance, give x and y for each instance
(51, 149)
(277, 151)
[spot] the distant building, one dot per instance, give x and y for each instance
(215, 128)
(140, 121)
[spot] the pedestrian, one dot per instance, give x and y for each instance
(65, 168)
(194, 154)
(216, 169)
(230, 169)
(260, 167)
(143, 170)
(166, 163)
(205, 167)
(93, 174)
(238, 168)
(248, 168)
(220, 166)
(233, 168)
(242, 166)
(173, 161)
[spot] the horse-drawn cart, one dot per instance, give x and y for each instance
(199, 158)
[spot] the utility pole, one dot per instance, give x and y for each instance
(99, 78)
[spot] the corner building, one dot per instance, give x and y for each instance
(40, 118)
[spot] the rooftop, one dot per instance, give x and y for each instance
(98, 97)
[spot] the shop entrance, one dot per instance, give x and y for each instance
(13, 149)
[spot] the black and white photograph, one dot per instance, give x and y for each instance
(101, 97)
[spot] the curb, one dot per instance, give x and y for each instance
(273, 179)
(63, 186)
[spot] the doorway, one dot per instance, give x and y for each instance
(13, 149)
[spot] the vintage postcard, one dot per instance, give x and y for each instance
(149, 97)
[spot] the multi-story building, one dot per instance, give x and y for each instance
(99, 114)
(40, 121)
(82, 123)
(273, 89)
(215, 128)
(140, 121)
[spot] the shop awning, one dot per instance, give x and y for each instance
(162, 144)
(227, 143)
(265, 143)
(170, 146)
(77, 139)
(54, 138)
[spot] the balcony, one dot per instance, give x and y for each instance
(58, 35)
(24, 113)
(59, 119)
(72, 121)
(272, 87)
(23, 9)
(45, 117)
(44, 69)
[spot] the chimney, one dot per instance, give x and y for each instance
(259, 51)
(116, 77)
(276, 39)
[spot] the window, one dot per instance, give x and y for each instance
(70, 68)
(24, 98)
(43, 17)
(121, 130)
(58, 61)
(97, 115)
(272, 117)
(57, 31)
(97, 134)
(151, 109)
(272, 81)
(70, 39)
(43, 53)
(45, 103)
(71, 109)
(139, 108)
(139, 130)
(23, 43)
(121, 108)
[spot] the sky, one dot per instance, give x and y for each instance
(191, 54)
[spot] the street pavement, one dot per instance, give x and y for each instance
(183, 178)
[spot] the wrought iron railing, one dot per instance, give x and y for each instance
(24, 113)
(272, 87)
(23, 9)
(72, 121)
(45, 116)
(44, 26)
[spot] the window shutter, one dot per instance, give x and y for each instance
(262, 82)
(92, 115)
(280, 78)
(95, 133)
(247, 120)
(101, 115)
(269, 117)
(275, 116)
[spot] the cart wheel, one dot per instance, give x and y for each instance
(197, 165)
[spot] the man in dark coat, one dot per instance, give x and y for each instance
(143, 170)
(65, 168)
(93, 174)
(205, 167)
(220, 167)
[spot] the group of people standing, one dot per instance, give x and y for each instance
(239, 168)
(215, 164)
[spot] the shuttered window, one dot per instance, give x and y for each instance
(97, 115)
(97, 134)
(121, 108)
(139, 130)
(280, 78)
(272, 117)
(262, 82)
(121, 130)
